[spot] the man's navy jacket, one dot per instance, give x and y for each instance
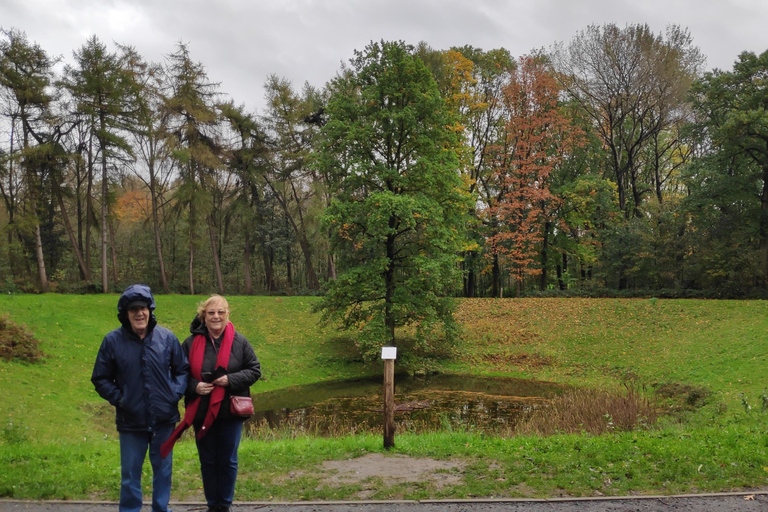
(143, 379)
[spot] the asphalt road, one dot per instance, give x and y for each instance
(742, 502)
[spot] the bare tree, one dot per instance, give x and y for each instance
(632, 84)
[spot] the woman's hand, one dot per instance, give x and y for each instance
(204, 388)
(222, 381)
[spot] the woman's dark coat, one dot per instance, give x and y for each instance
(243, 370)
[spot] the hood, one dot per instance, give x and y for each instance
(197, 327)
(136, 292)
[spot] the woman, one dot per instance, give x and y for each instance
(222, 363)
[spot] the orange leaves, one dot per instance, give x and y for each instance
(537, 137)
(133, 206)
(344, 231)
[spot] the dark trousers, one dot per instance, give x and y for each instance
(218, 461)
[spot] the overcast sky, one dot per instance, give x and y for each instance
(241, 42)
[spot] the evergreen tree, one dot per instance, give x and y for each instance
(194, 144)
(102, 88)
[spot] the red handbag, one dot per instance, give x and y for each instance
(240, 406)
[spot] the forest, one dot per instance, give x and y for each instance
(612, 164)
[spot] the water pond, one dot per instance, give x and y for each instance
(422, 404)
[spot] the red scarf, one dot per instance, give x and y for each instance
(196, 354)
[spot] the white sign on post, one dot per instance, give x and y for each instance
(389, 352)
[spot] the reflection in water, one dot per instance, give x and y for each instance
(437, 402)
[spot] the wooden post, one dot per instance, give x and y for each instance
(389, 354)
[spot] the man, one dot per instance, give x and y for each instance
(142, 371)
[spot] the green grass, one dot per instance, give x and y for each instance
(57, 437)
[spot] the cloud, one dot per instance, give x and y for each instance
(241, 43)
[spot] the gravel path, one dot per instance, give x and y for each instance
(741, 502)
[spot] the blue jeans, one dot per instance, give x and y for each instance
(133, 451)
(218, 461)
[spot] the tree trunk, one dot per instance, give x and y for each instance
(331, 267)
(389, 287)
(657, 166)
(79, 213)
(191, 269)
(619, 173)
(192, 247)
(562, 269)
(104, 227)
(214, 250)
(763, 245)
(636, 196)
(41, 273)
(33, 190)
(65, 217)
(496, 277)
(40, 259)
(622, 280)
(112, 248)
(156, 220)
(266, 253)
(470, 281)
(288, 258)
(247, 260)
(312, 282)
(544, 255)
(89, 204)
(9, 199)
(269, 271)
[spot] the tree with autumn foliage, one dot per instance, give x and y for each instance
(390, 149)
(473, 89)
(536, 139)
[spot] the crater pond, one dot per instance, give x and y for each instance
(422, 403)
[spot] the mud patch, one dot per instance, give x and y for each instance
(102, 416)
(391, 470)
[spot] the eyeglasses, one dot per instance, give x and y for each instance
(221, 312)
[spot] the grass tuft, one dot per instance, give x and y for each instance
(591, 411)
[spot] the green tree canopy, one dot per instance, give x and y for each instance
(390, 149)
(731, 189)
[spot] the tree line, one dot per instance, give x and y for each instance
(611, 163)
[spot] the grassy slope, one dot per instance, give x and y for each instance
(722, 345)
(293, 348)
(70, 450)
